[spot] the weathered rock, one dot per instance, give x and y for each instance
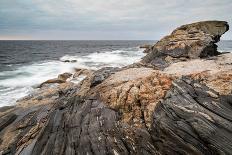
(61, 79)
(146, 47)
(133, 111)
(6, 120)
(64, 76)
(213, 65)
(183, 109)
(96, 78)
(2, 109)
(195, 40)
(102, 74)
(190, 121)
(82, 72)
(134, 93)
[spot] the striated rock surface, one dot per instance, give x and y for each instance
(183, 108)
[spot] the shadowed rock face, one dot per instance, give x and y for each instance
(185, 108)
(195, 40)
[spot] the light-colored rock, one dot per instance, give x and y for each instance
(79, 72)
(60, 79)
(213, 65)
(196, 40)
(64, 76)
(135, 92)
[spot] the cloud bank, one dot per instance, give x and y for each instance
(101, 19)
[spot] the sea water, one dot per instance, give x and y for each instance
(25, 64)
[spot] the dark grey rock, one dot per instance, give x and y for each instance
(102, 74)
(190, 121)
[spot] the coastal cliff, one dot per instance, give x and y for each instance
(176, 100)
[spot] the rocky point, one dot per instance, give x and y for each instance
(176, 100)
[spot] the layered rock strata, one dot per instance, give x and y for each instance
(183, 108)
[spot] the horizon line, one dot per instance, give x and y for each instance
(90, 39)
(78, 39)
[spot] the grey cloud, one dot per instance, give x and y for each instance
(100, 19)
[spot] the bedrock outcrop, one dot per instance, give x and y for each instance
(196, 40)
(183, 108)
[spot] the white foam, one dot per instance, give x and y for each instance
(11, 96)
(34, 74)
(18, 83)
(225, 50)
(117, 58)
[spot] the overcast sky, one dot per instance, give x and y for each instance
(105, 19)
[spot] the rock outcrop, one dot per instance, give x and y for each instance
(72, 61)
(146, 47)
(82, 72)
(195, 40)
(60, 79)
(183, 108)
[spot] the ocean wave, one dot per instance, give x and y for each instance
(33, 74)
(117, 58)
(10, 96)
(18, 83)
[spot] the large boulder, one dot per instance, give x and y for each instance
(196, 40)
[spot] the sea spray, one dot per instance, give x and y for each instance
(19, 82)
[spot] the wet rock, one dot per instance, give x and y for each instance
(61, 79)
(72, 61)
(64, 76)
(56, 80)
(82, 72)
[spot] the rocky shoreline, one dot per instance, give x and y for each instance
(176, 100)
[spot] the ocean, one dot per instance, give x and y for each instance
(25, 64)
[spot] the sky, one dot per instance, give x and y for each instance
(105, 19)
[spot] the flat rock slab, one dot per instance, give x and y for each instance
(212, 65)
